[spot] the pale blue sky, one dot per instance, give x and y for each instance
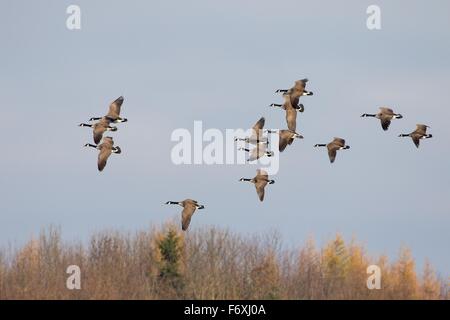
(220, 62)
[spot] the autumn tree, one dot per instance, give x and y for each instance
(170, 248)
(430, 288)
(335, 264)
(405, 278)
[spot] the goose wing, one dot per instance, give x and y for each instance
(291, 118)
(114, 108)
(385, 122)
(338, 141)
(416, 139)
(261, 182)
(285, 139)
(294, 102)
(332, 154)
(105, 152)
(98, 133)
(421, 128)
(259, 124)
(186, 215)
(387, 111)
(260, 185)
(300, 84)
(99, 129)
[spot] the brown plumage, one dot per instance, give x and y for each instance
(333, 147)
(113, 114)
(418, 134)
(258, 129)
(286, 137)
(291, 114)
(105, 148)
(260, 180)
(189, 207)
(297, 90)
(114, 109)
(386, 115)
(99, 128)
(257, 133)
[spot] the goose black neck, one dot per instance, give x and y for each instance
(171, 202)
(85, 125)
(320, 145)
(369, 115)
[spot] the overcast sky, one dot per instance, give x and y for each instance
(220, 62)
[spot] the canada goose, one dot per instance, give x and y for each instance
(260, 180)
(333, 147)
(297, 90)
(113, 114)
(99, 128)
(189, 207)
(286, 138)
(385, 115)
(257, 133)
(418, 134)
(291, 112)
(259, 151)
(106, 148)
(293, 102)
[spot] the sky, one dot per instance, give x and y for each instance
(176, 62)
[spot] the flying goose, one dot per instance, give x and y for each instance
(189, 207)
(293, 102)
(257, 133)
(257, 152)
(260, 180)
(99, 128)
(385, 115)
(418, 134)
(291, 111)
(113, 114)
(333, 147)
(106, 148)
(297, 90)
(286, 138)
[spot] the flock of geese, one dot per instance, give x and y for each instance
(106, 147)
(291, 106)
